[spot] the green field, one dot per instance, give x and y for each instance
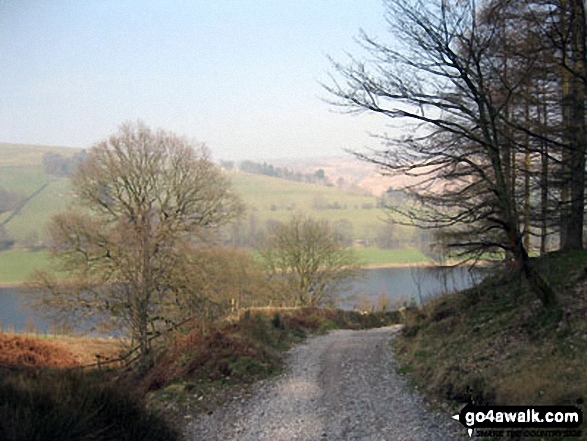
(16, 265)
(277, 199)
(266, 198)
(21, 171)
(372, 256)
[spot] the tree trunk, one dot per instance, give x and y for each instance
(578, 128)
(527, 164)
(543, 181)
(537, 284)
(565, 163)
(573, 100)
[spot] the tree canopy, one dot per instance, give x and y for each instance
(307, 258)
(456, 78)
(141, 198)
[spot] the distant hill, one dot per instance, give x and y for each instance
(30, 154)
(347, 172)
(268, 198)
(352, 212)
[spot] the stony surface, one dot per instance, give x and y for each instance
(340, 386)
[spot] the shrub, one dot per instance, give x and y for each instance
(63, 405)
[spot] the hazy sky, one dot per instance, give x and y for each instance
(241, 75)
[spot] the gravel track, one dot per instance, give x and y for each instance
(340, 386)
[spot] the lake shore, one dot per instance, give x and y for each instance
(429, 264)
(367, 266)
(12, 284)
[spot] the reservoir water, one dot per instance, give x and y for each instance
(401, 285)
(15, 315)
(410, 284)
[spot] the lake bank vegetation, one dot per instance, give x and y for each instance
(496, 344)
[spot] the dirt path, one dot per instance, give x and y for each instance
(340, 386)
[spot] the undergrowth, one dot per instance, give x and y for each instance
(43, 396)
(41, 404)
(199, 370)
(496, 344)
(17, 350)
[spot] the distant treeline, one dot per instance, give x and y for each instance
(59, 165)
(265, 169)
(252, 232)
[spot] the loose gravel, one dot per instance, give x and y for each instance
(340, 386)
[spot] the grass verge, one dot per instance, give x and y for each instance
(496, 344)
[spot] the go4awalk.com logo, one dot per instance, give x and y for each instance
(512, 421)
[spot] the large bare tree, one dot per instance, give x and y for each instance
(439, 79)
(141, 197)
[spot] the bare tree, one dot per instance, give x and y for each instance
(305, 256)
(439, 79)
(568, 34)
(541, 48)
(140, 198)
(216, 281)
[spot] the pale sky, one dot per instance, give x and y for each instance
(240, 75)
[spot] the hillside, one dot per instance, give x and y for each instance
(274, 198)
(354, 215)
(21, 171)
(495, 343)
(30, 154)
(352, 172)
(267, 198)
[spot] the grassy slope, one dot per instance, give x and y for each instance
(261, 192)
(21, 170)
(496, 343)
(35, 215)
(15, 265)
(26, 154)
